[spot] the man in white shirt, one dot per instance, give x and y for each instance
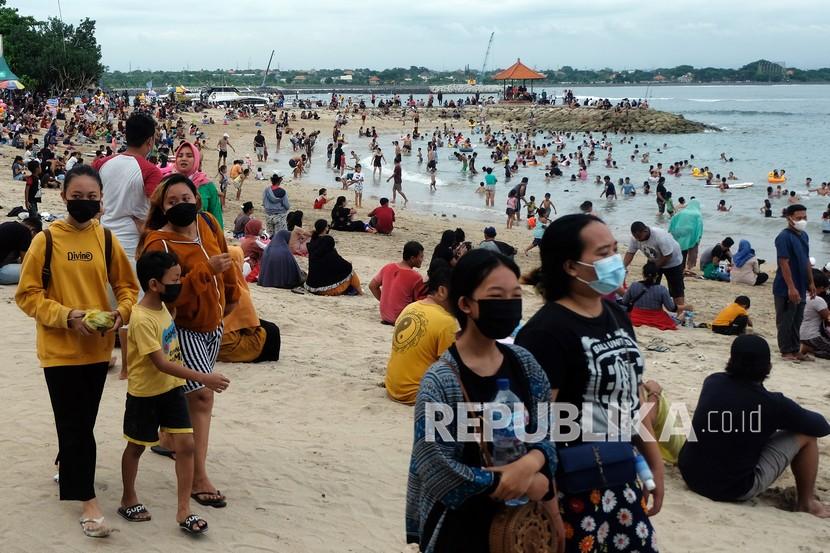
(662, 249)
(73, 160)
(129, 181)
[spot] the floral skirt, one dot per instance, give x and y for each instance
(607, 520)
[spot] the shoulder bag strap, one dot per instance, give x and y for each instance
(485, 455)
(46, 272)
(108, 248)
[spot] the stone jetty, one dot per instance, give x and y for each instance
(584, 119)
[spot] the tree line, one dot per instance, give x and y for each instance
(50, 56)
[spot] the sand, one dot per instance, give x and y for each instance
(311, 454)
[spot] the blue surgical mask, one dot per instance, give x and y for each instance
(610, 274)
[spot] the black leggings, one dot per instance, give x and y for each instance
(75, 392)
(271, 348)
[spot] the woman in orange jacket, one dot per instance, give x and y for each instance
(210, 290)
(65, 275)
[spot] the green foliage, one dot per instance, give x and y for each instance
(50, 55)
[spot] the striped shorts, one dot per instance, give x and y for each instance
(199, 352)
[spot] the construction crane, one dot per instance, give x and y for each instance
(472, 81)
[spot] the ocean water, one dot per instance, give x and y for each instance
(763, 128)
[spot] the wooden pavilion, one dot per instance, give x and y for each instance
(518, 72)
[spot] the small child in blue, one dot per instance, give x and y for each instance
(542, 222)
(155, 393)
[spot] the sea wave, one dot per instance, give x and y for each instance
(748, 112)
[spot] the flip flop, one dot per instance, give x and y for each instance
(191, 525)
(218, 502)
(134, 513)
(163, 451)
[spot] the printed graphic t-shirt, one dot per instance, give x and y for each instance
(592, 361)
(423, 332)
(150, 331)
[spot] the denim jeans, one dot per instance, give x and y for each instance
(10, 274)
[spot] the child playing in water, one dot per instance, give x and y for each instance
(547, 205)
(722, 206)
(669, 204)
(531, 207)
(155, 392)
(512, 206)
(357, 185)
(481, 190)
(766, 209)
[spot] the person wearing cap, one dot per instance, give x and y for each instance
(793, 281)
(745, 436)
(711, 258)
(242, 220)
(490, 243)
(223, 145)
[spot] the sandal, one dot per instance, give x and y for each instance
(99, 530)
(217, 499)
(136, 513)
(163, 451)
(191, 525)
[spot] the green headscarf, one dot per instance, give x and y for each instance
(687, 226)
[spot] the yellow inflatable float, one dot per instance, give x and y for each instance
(771, 178)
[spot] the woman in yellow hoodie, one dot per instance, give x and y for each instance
(210, 290)
(74, 356)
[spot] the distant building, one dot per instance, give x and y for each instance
(659, 78)
(300, 79)
(687, 78)
(348, 72)
(347, 78)
(374, 79)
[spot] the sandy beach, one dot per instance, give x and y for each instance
(312, 455)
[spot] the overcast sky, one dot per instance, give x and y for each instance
(444, 34)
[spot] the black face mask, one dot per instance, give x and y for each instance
(171, 292)
(498, 318)
(181, 215)
(83, 210)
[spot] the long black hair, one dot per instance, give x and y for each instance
(470, 272)
(156, 217)
(561, 242)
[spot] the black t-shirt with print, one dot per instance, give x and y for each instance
(589, 360)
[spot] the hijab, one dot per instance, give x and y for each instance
(250, 248)
(198, 177)
(744, 253)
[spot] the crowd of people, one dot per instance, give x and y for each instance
(143, 258)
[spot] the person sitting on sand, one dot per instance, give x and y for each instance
(733, 319)
(242, 220)
(746, 267)
(278, 268)
(647, 299)
(341, 217)
(15, 239)
(253, 242)
(423, 332)
(813, 334)
(738, 463)
(710, 260)
(382, 218)
(398, 284)
(328, 273)
(490, 243)
(245, 337)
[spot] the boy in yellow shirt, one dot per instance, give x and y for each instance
(734, 318)
(155, 397)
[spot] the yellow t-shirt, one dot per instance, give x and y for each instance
(728, 315)
(423, 332)
(150, 331)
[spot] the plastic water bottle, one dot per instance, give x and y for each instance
(644, 472)
(506, 446)
(689, 319)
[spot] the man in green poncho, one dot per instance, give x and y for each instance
(687, 228)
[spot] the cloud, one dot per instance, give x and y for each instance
(448, 35)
